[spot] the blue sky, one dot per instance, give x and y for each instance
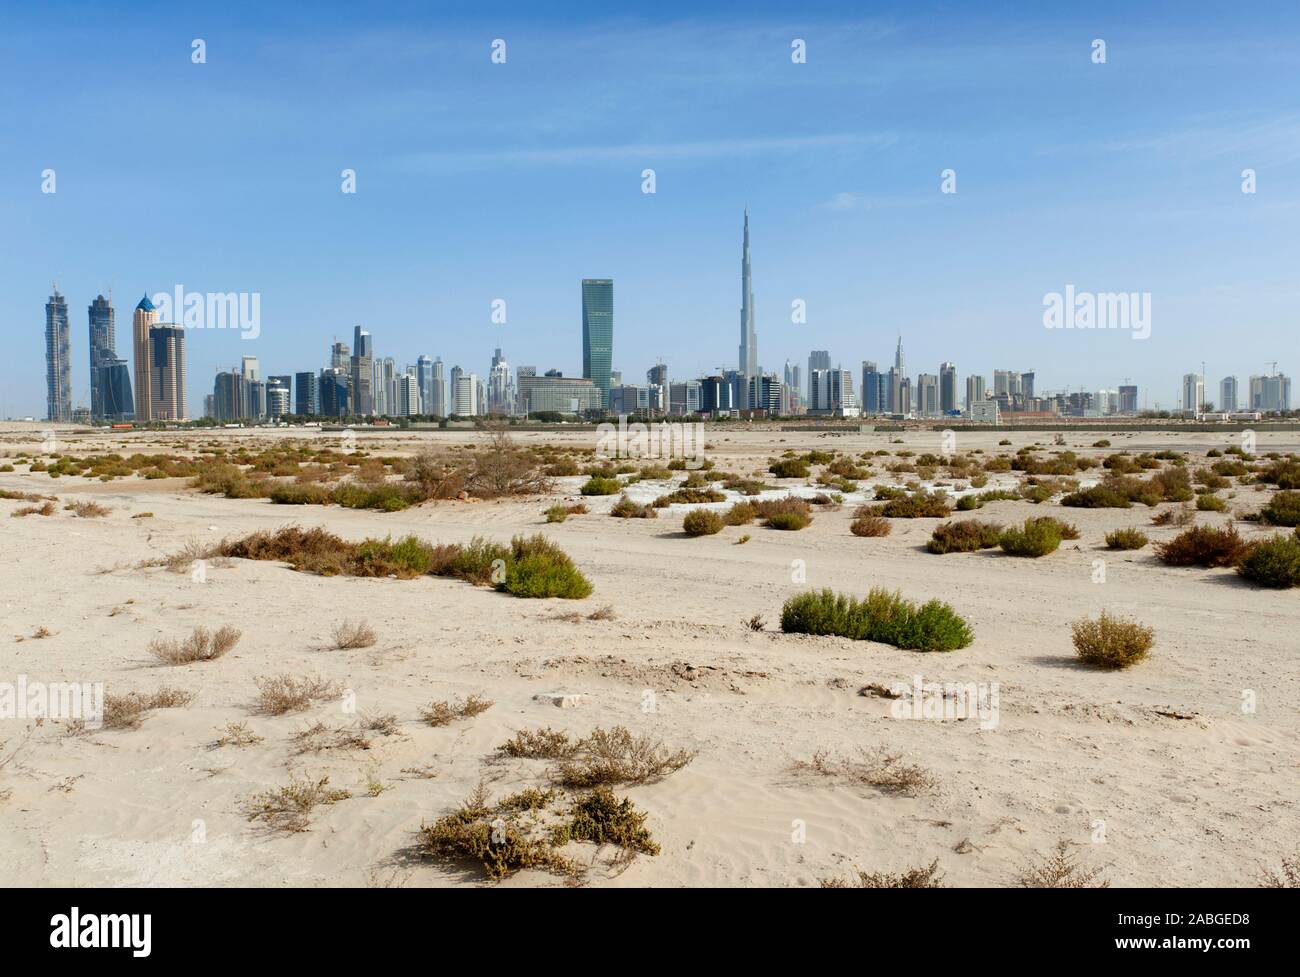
(478, 181)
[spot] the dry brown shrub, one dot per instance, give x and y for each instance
(1060, 870)
(201, 646)
(278, 694)
(444, 713)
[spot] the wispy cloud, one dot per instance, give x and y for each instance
(651, 152)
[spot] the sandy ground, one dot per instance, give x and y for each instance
(1075, 754)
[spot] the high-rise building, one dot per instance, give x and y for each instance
(1228, 394)
(684, 398)
(103, 350)
(1128, 398)
(1193, 391)
(657, 375)
(598, 333)
(818, 359)
(467, 394)
(58, 360)
(361, 397)
(144, 319)
(501, 389)
(831, 392)
(716, 395)
(408, 396)
(437, 404)
(424, 376)
(229, 396)
(277, 397)
(250, 368)
(167, 373)
(340, 354)
(1270, 393)
(927, 395)
(306, 389)
(748, 338)
(875, 389)
(947, 388)
(974, 391)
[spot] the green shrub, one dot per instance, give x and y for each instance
(917, 505)
(1098, 497)
(740, 514)
(1202, 546)
(1272, 563)
(965, 536)
(689, 496)
(788, 520)
(1282, 510)
(702, 522)
(293, 494)
(883, 616)
(1037, 537)
(625, 508)
(598, 485)
(477, 561)
(1111, 642)
(539, 568)
(1126, 539)
(1206, 502)
(789, 468)
(557, 513)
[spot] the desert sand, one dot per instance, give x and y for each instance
(1155, 774)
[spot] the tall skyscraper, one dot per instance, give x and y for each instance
(748, 339)
(598, 333)
(818, 359)
(927, 395)
(875, 389)
(501, 388)
(974, 391)
(144, 319)
(103, 350)
(1193, 391)
(362, 397)
(167, 373)
(424, 376)
(58, 360)
(1128, 398)
(1228, 395)
(438, 405)
(306, 388)
(657, 375)
(947, 387)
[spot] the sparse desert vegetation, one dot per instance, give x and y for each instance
(201, 645)
(1111, 642)
(882, 616)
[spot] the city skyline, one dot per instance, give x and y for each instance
(1111, 195)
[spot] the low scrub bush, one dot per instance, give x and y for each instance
(597, 485)
(1038, 537)
(1282, 510)
(618, 756)
(865, 524)
(201, 646)
(444, 713)
(625, 508)
(702, 522)
(882, 616)
(789, 468)
(537, 567)
(1202, 546)
(965, 536)
(1273, 562)
(1126, 539)
(127, 711)
(1111, 642)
